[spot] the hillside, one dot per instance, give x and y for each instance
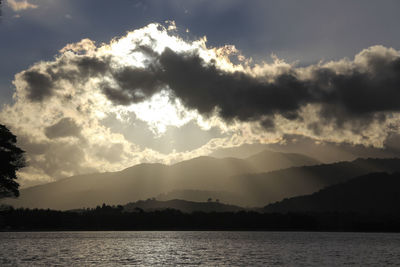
(277, 185)
(202, 195)
(145, 181)
(268, 160)
(182, 205)
(373, 193)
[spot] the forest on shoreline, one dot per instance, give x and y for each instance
(114, 218)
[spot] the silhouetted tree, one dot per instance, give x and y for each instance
(11, 160)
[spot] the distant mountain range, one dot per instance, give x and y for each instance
(148, 180)
(178, 204)
(266, 161)
(262, 188)
(276, 185)
(375, 193)
(202, 195)
(252, 182)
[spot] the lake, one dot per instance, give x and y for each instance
(198, 248)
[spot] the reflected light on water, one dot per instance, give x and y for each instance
(198, 248)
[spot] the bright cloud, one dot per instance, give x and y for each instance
(20, 5)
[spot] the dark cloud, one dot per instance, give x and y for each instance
(268, 123)
(360, 94)
(205, 88)
(118, 97)
(85, 67)
(142, 82)
(92, 66)
(40, 86)
(63, 128)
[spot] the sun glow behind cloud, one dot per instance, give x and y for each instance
(159, 112)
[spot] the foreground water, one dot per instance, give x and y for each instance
(198, 248)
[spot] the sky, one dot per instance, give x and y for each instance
(95, 85)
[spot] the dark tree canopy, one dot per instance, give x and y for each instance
(11, 160)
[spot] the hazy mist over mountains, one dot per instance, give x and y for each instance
(149, 180)
(255, 181)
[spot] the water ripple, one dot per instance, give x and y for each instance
(198, 249)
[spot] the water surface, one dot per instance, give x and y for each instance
(198, 248)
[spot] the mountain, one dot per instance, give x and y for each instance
(182, 205)
(202, 195)
(269, 160)
(147, 180)
(276, 185)
(374, 193)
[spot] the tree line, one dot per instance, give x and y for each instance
(115, 218)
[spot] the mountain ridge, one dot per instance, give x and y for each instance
(141, 181)
(235, 176)
(375, 193)
(276, 185)
(180, 204)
